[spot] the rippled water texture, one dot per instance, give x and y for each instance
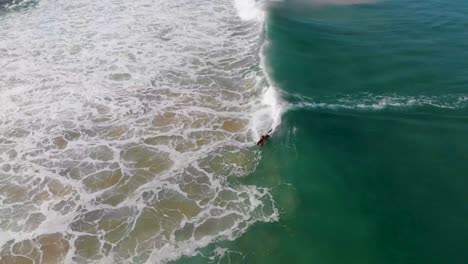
(121, 122)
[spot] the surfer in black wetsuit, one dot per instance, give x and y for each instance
(264, 139)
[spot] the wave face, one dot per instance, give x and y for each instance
(121, 125)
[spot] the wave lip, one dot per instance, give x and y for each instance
(271, 106)
(248, 10)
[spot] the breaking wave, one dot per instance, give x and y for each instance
(121, 124)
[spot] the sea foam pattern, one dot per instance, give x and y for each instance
(120, 123)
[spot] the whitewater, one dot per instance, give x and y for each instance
(121, 123)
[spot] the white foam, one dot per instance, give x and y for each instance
(18, 4)
(248, 10)
(269, 116)
(270, 108)
(273, 100)
(160, 78)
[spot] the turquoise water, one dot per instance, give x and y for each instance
(127, 131)
(369, 164)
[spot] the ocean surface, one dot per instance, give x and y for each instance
(127, 131)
